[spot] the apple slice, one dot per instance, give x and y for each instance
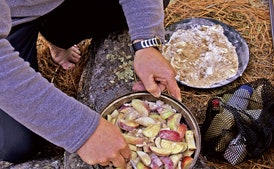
(186, 162)
(152, 131)
(155, 161)
(141, 165)
(127, 125)
(188, 152)
(175, 147)
(133, 140)
(182, 130)
(160, 151)
(173, 121)
(145, 121)
(176, 158)
(157, 142)
(190, 140)
(111, 119)
(168, 163)
(132, 147)
(140, 106)
(169, 135)
(166, 113)
(156, 117)
(145, 158)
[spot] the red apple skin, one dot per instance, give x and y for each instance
(182, 130)
(156, 163)
(168, 163)
(170, 135)
(124, 126)
(186, 162)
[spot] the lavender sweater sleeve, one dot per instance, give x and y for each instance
(145, 18)
(39, 105)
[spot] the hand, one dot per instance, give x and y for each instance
(155, 72)
(105, 146)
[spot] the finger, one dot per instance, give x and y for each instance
(138, 86)
(76, 53)
(152, 87)
(105, 164)
(174, 89)
(126, 152)
(162, 87)
(119, 161)
(68, 66)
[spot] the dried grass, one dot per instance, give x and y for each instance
(249, 17)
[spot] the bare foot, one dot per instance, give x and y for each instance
(67, 58)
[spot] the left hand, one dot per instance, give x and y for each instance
(156, 73)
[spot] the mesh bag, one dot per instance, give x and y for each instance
(239, 123)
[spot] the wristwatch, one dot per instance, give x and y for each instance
(153, 42)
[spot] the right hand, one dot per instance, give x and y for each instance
(105, 146)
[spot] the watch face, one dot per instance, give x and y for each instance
(206, 53)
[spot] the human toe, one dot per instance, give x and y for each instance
(68, 65)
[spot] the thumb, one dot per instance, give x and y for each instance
(138, 86)
(152, 88)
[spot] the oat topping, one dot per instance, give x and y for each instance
(201, 55)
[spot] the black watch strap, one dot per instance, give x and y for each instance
(153, 42)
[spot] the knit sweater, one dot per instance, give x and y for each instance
(37, 104)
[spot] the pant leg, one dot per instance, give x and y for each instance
(17, 143)
(76, 20)
(23, 38)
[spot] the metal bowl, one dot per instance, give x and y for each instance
(178, 106)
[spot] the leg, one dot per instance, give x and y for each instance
(74, 21)
(17, 143)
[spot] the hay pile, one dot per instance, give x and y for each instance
(249, 17)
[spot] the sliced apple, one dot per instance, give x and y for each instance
(173, 121)
(111, 119)
(160, 151)
(155, 161)
(157, 142)
(186, 162)
(141, 165)
(176, 158)
(188, 152)
(182, 130)
(169, 135)
(156, 117)
(145, 158)
(152, 131)
(166, 113)
(127, 125)
(145, 121)
(190, 140)
(168, 163)
(133, 155)
(132, 147)
(133, 140)
(140, 106)
(175, 147)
